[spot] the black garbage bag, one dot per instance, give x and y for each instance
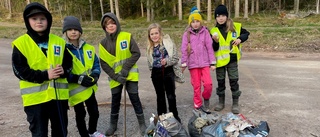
(193, 131)
(261, 130)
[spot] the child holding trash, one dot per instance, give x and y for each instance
(228, 36)
(119, 54)
(42, 64)
(83, 77)
(162, 57)
(198, 56)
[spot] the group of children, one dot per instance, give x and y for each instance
(56, 72)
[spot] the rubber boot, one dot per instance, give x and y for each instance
(113, 124)
(220, 105)
(235, 106)
(206, 103)
(142, 124)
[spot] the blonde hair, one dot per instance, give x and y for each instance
(150, 42)
(229, 25)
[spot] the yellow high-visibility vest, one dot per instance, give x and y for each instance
(35, 93)
(78, 93)
(122, 54)
(223, 54)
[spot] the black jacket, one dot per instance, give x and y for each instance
(244, 35)
(20, 65)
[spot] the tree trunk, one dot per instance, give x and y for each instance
(296, 6)
(101, 7)
(209, 14)
(117, 9)
(142, 12)
(148, 11)
(236, 8)
(229, 8)
(252, 7)
(280, 5)
(180, 9)
(91, 13)
(10, 9)
(246, 6)
(174, 10)
(198, 5)
(317, 5)
(111, 6)
(257, 6)
(152, 11)
(46, 4)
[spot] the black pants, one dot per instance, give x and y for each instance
(39, 115)
(92, 108)
(164, 84)
(132, 90)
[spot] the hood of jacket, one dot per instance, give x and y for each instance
(34, 35)
(114, 17)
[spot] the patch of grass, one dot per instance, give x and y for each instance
(268, 32)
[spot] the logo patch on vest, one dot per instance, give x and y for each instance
(89, 53)
(234, 34)
(124, 45)
(57, 50)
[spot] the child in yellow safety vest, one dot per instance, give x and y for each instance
(41, 62)
(83, 77)
(227, 36)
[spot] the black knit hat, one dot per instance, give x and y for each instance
(221, 10)
(71, 22)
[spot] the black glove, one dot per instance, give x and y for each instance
(95, 77)
(121, 79)
(124, 73)
(86, 81)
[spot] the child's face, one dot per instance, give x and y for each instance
(38, 22)
(154, 35)
(111, 27)
(221, 19)
(195, 24)
(73, 34)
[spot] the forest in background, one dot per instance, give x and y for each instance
(92, 10)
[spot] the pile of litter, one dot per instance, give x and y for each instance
(207, 125)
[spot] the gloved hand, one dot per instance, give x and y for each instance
(95, 77)
(121, 79)
(124, 73)
(86, 81)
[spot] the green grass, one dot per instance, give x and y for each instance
(268, 32)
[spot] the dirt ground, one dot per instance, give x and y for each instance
(280, 88)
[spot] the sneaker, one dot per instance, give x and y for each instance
(97, 134)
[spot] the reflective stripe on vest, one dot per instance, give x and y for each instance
(35, 93)
(78, 93)
(122, 54)
(223, 54)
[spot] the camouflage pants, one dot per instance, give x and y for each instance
(233, 75)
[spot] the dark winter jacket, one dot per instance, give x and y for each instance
(244, 35)
(109, 43)
(78, 52)
(20, 65)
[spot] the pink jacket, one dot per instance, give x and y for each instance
(202, 54)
